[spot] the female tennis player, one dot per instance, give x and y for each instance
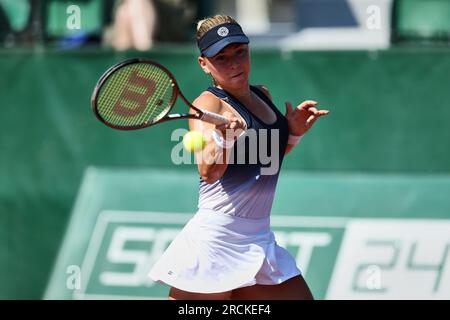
(227, 250)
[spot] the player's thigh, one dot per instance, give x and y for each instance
(294, 288)
(177, 294)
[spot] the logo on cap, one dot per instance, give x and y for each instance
(223, 31)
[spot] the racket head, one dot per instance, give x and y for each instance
(134, 94)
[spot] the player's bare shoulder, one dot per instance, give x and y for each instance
(208, 101)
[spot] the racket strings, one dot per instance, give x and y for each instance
(158, 99)
(110, 95)
(156, 75)
(125, 101)
(157, 102)
(136, 94)
(156, 78)
(115, 98)
(160, 102)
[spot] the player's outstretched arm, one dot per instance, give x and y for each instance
(212, 160)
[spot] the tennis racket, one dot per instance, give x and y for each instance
(139, 93)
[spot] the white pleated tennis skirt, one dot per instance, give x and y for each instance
(216, 253)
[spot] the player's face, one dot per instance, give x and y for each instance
(230, 67)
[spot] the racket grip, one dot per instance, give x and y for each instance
(213, 118)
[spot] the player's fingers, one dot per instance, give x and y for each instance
(305, 105)
(289, 108)
(242, 124)
(228, 115)
(311, 119)
(314, 117)
(313, 110)
(323, 112)
(235, 123)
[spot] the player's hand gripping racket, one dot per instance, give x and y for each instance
(139, 93)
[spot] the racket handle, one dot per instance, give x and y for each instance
(213, 118)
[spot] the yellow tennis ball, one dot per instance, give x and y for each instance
(194, 141)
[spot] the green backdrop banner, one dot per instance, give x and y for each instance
(389, 114)
(354, 236)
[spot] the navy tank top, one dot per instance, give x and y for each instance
(247, 187)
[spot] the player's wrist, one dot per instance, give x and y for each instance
(220, 141)
(294, 140)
